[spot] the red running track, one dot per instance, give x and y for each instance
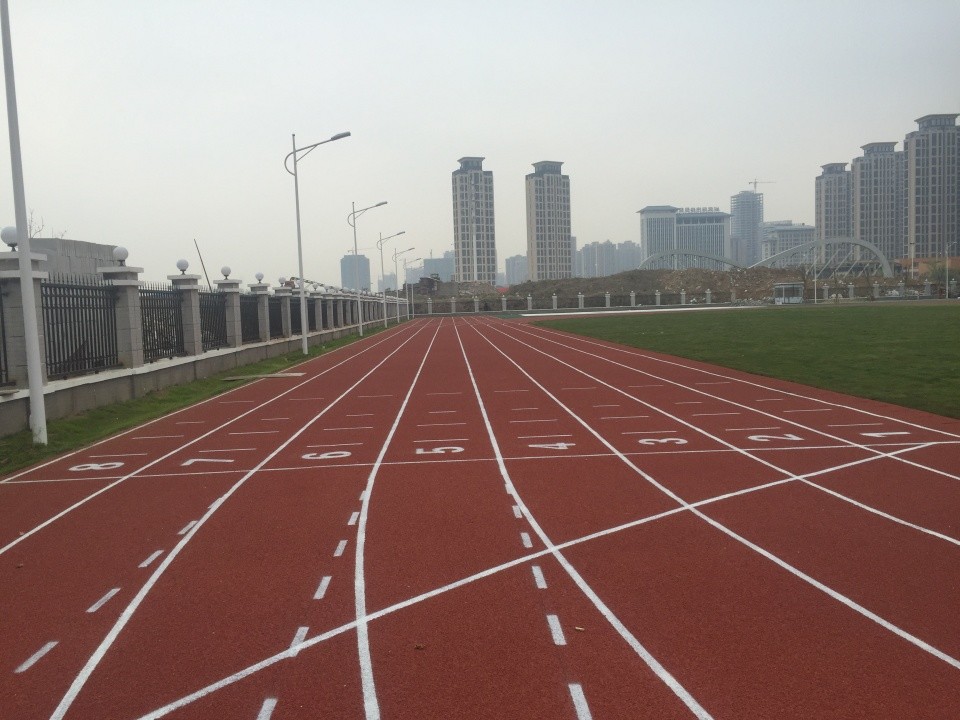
(476, 518)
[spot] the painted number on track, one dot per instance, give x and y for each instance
(332, 455)
(771, 438)
(439, 450)
(662, 441)
(96, 466)
(553, 446)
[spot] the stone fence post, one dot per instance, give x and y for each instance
(128, 314)
(189, 287)
(231, 293)
(261, 291)
(13, 315)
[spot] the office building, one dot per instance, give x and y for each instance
(746, 219)
(441, 268)
(349, 266)
(516, 267)
(474, 238)
(782, 235)
(550, 246)
(688, 233)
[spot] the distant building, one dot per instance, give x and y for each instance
(834, 202)
(629, 256)
(389, 282)
(349, 266)
(933, 187)
(444, 268)
(550, 245)
(72, 257)
(596, 260)
(517, 271)
(746, 218)
(879, 198)
(474, 238)
(782, 235)
(697, 231)
(413, 273)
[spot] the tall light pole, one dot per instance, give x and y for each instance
(352, 222)
(396, 271)
(380, 243)
(38, 412)
(295, 154)
(407, 284)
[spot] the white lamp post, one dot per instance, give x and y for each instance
(383, 290)
(295, 154)
(396, 271)
(352, 222)
(38, 412)
(407, 284)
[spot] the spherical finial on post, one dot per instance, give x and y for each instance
(225, 271)
(10, 236)
(259, 277)
(182, 266)
(120, 254)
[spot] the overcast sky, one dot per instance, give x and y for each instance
(149, 123)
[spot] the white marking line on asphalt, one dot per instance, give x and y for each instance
(228, 450)
(519, 409)
(530, 421)
(234, 402)
(266, 710)
(322, 588)
(443, 440)
(516, 512)
(335, 445)
(277, 419)
(374, 396)
(102, 601)
(362, 495)
(439, 424)
(123, 455)
(360, 415)
(255, 432)
(353, 518)
(649, 385)
(769, 399)
(556, 632)
(624, 417)
(525, 539)
(445, 393)
(647, 432)
(366, 427)
(776, 427)
(146, 563)
(186, 528)
(298, 638)
(596, 406)
(857, 425)
(714, 414)
(579, 702)
(155, 437)
(538, 437)
(441, 412)
(32, 660)
(190, 422)
(305, 398)
(714, 382)
(579, 388)
(811, 410)
(340, 548)
(538, 579)
(690, 402)
(506, 391)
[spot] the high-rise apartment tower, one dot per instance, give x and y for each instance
(746, 221)
(550, 246)
(474, 238)
(879, 200)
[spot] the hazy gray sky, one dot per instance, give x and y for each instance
(148, 124)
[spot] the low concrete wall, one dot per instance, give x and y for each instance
(73, 396)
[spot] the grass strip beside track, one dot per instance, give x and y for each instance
(18, 451)
(903, 354)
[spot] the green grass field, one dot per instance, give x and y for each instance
(907, 354)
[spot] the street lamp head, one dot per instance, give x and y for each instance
(120, 254)
(340, 136)
(379, 204)
(10, 237)
(225, 271)
(182, 266)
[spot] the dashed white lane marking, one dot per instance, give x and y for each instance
(298, 638)
(277, 419)
(769, 399)
(32, 660)
(374, 396)
(525, 539)
(519, 409)
(857, 425)
(532, 421)
(579, 702)
(516, 512)
(366, 427)
(234, 402)
(362, 494)
(322, 588)
(714, 414)
(103, 601)
(340, 548)
(443, 440)
(811, 410)
(353, 518)
(648, 385)
(598, 406)
(440, 424)
(506, 391)
(579, 388)
(335, 445)
(442, 412)
(776, 427)
(556, 632)
(305, 398)
(538, 437)
(191, 422)
(458, 392)
(155, 437)
(228, 450)
(255, 432)
(713, 382)
(119, 456)
(266, 710)
(647, 432)
(539, 580)
(689, 402)
(146, 563)
(186, 528)
(624, 417)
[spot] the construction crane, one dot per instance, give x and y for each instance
(756, 182)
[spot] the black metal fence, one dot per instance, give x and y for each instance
(275, 306)
(79, 325)
(213, 320)
(4, 375)
(249, 318)
(295, 315)
(162, 323)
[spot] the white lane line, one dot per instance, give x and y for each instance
(443, 440)
(769, 400)
(360, 415)
(440, 424)
(298, 638)
(146, 563)
(228, 450)
(598, 406)
(123, 455)
(689, 402)
(714, 414)
(353, 518)
(363, 495)
(538, 579)
(234, 402)
(525, 539)
(579, 702)
(647, 432)
(519, 409)
(579, 388)
(811, 410)
(516, 512)
(533, 421)
(341, 546)
(190, 422)
(255, 432)
(266, 710)
(32, 660)
(624, 417)
(509, 391)
(556, 632)
(322, 588)
(374, 396)
(335, 445)
(649, 385)
(186, 528)
(857, 425)
(103, 601)
(538, 437)
(775, 427)
(442, 412)
(276, 419)
(458, 392)
(155, 437)
(714, 382)
(366, 427)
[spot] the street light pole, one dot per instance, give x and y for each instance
(380, 243)
(407, 284)
(38, 412)
(306, 149)
(396, 271)
(352, 222)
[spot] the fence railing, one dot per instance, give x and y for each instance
(213, 320)
(275, 307)
(249, 319)
(162, 323)
(79, 326)
(4, 377)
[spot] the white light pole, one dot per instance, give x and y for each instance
(407, 284)
(352, 222)
(306, 149)
(383, 290)
(38, 412)
(396, 271)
